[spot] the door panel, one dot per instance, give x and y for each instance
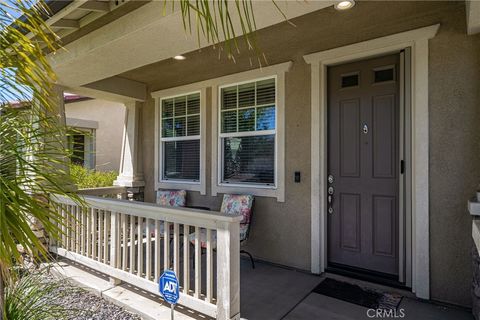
(350, 216)
(350, 138)
(363, 159)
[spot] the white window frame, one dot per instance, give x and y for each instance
(237, 134)
(278, 190)
(161, 183)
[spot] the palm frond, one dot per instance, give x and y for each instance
(33, 149)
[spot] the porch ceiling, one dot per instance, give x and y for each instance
(144, 36)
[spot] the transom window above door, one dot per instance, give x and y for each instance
(248, 133)
(180, 138)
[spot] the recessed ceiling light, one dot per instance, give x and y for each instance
(344, 5)
(179, 57)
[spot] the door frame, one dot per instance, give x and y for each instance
(418, 186)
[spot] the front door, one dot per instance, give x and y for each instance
(363, 165)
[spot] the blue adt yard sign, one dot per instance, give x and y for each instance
(168, 286)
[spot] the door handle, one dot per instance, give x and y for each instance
(331, 191)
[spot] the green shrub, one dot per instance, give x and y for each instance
(85, 178)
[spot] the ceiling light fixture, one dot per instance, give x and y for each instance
(179, 57)
(344, 5)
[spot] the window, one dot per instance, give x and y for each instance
(350, 80)
(248, 133)
(82, 147)
(180, 138)
(384, 74)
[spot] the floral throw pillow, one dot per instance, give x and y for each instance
(238, 204)
(172, 198)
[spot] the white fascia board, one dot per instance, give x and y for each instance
(473, 16)
(145, 36)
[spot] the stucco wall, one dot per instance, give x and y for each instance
(108, 137)
(281, 231)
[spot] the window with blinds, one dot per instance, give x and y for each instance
(180, 138)
(248, 132)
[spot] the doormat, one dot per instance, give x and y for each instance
(368, 298)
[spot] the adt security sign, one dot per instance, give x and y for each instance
(168, 287)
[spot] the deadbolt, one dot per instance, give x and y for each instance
(330, 179)
(330, 190)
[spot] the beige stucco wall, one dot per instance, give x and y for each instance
(108, 137)
(281, 231)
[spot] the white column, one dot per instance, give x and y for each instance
(131, 174)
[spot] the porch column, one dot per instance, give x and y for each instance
(131, 174)
(57, 140)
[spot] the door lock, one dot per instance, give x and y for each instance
(330, 179)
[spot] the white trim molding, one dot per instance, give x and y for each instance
(200, 186)
(417, 40)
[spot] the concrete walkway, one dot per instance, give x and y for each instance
(267, 293)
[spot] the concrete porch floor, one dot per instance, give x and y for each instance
(271, 292)
(267, 293)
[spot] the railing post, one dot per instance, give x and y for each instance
(114, 244)
(228, 270)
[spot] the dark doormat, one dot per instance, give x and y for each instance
(368, 298)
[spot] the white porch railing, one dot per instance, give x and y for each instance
(134, 242)
(115, 192)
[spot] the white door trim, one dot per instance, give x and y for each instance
(417, 40)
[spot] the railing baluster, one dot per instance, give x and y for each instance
(78, 230)
(124, 242)
(83, 234)
(114, 239)
(186, 258)
(89, 213)
(166, 245)
(132, 244)
(148, 247)
(70, 227)
(100, 234)
(94, 233)
(209, 266)
(198, 264)
(140, 247)
(78, 246)
(176, 248)
(74, 229)
(64, 226)
(106, 227)
(157, 250)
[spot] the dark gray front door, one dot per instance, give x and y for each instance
(363, 164)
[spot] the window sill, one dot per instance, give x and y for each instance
(260, 191)
(182, 185)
